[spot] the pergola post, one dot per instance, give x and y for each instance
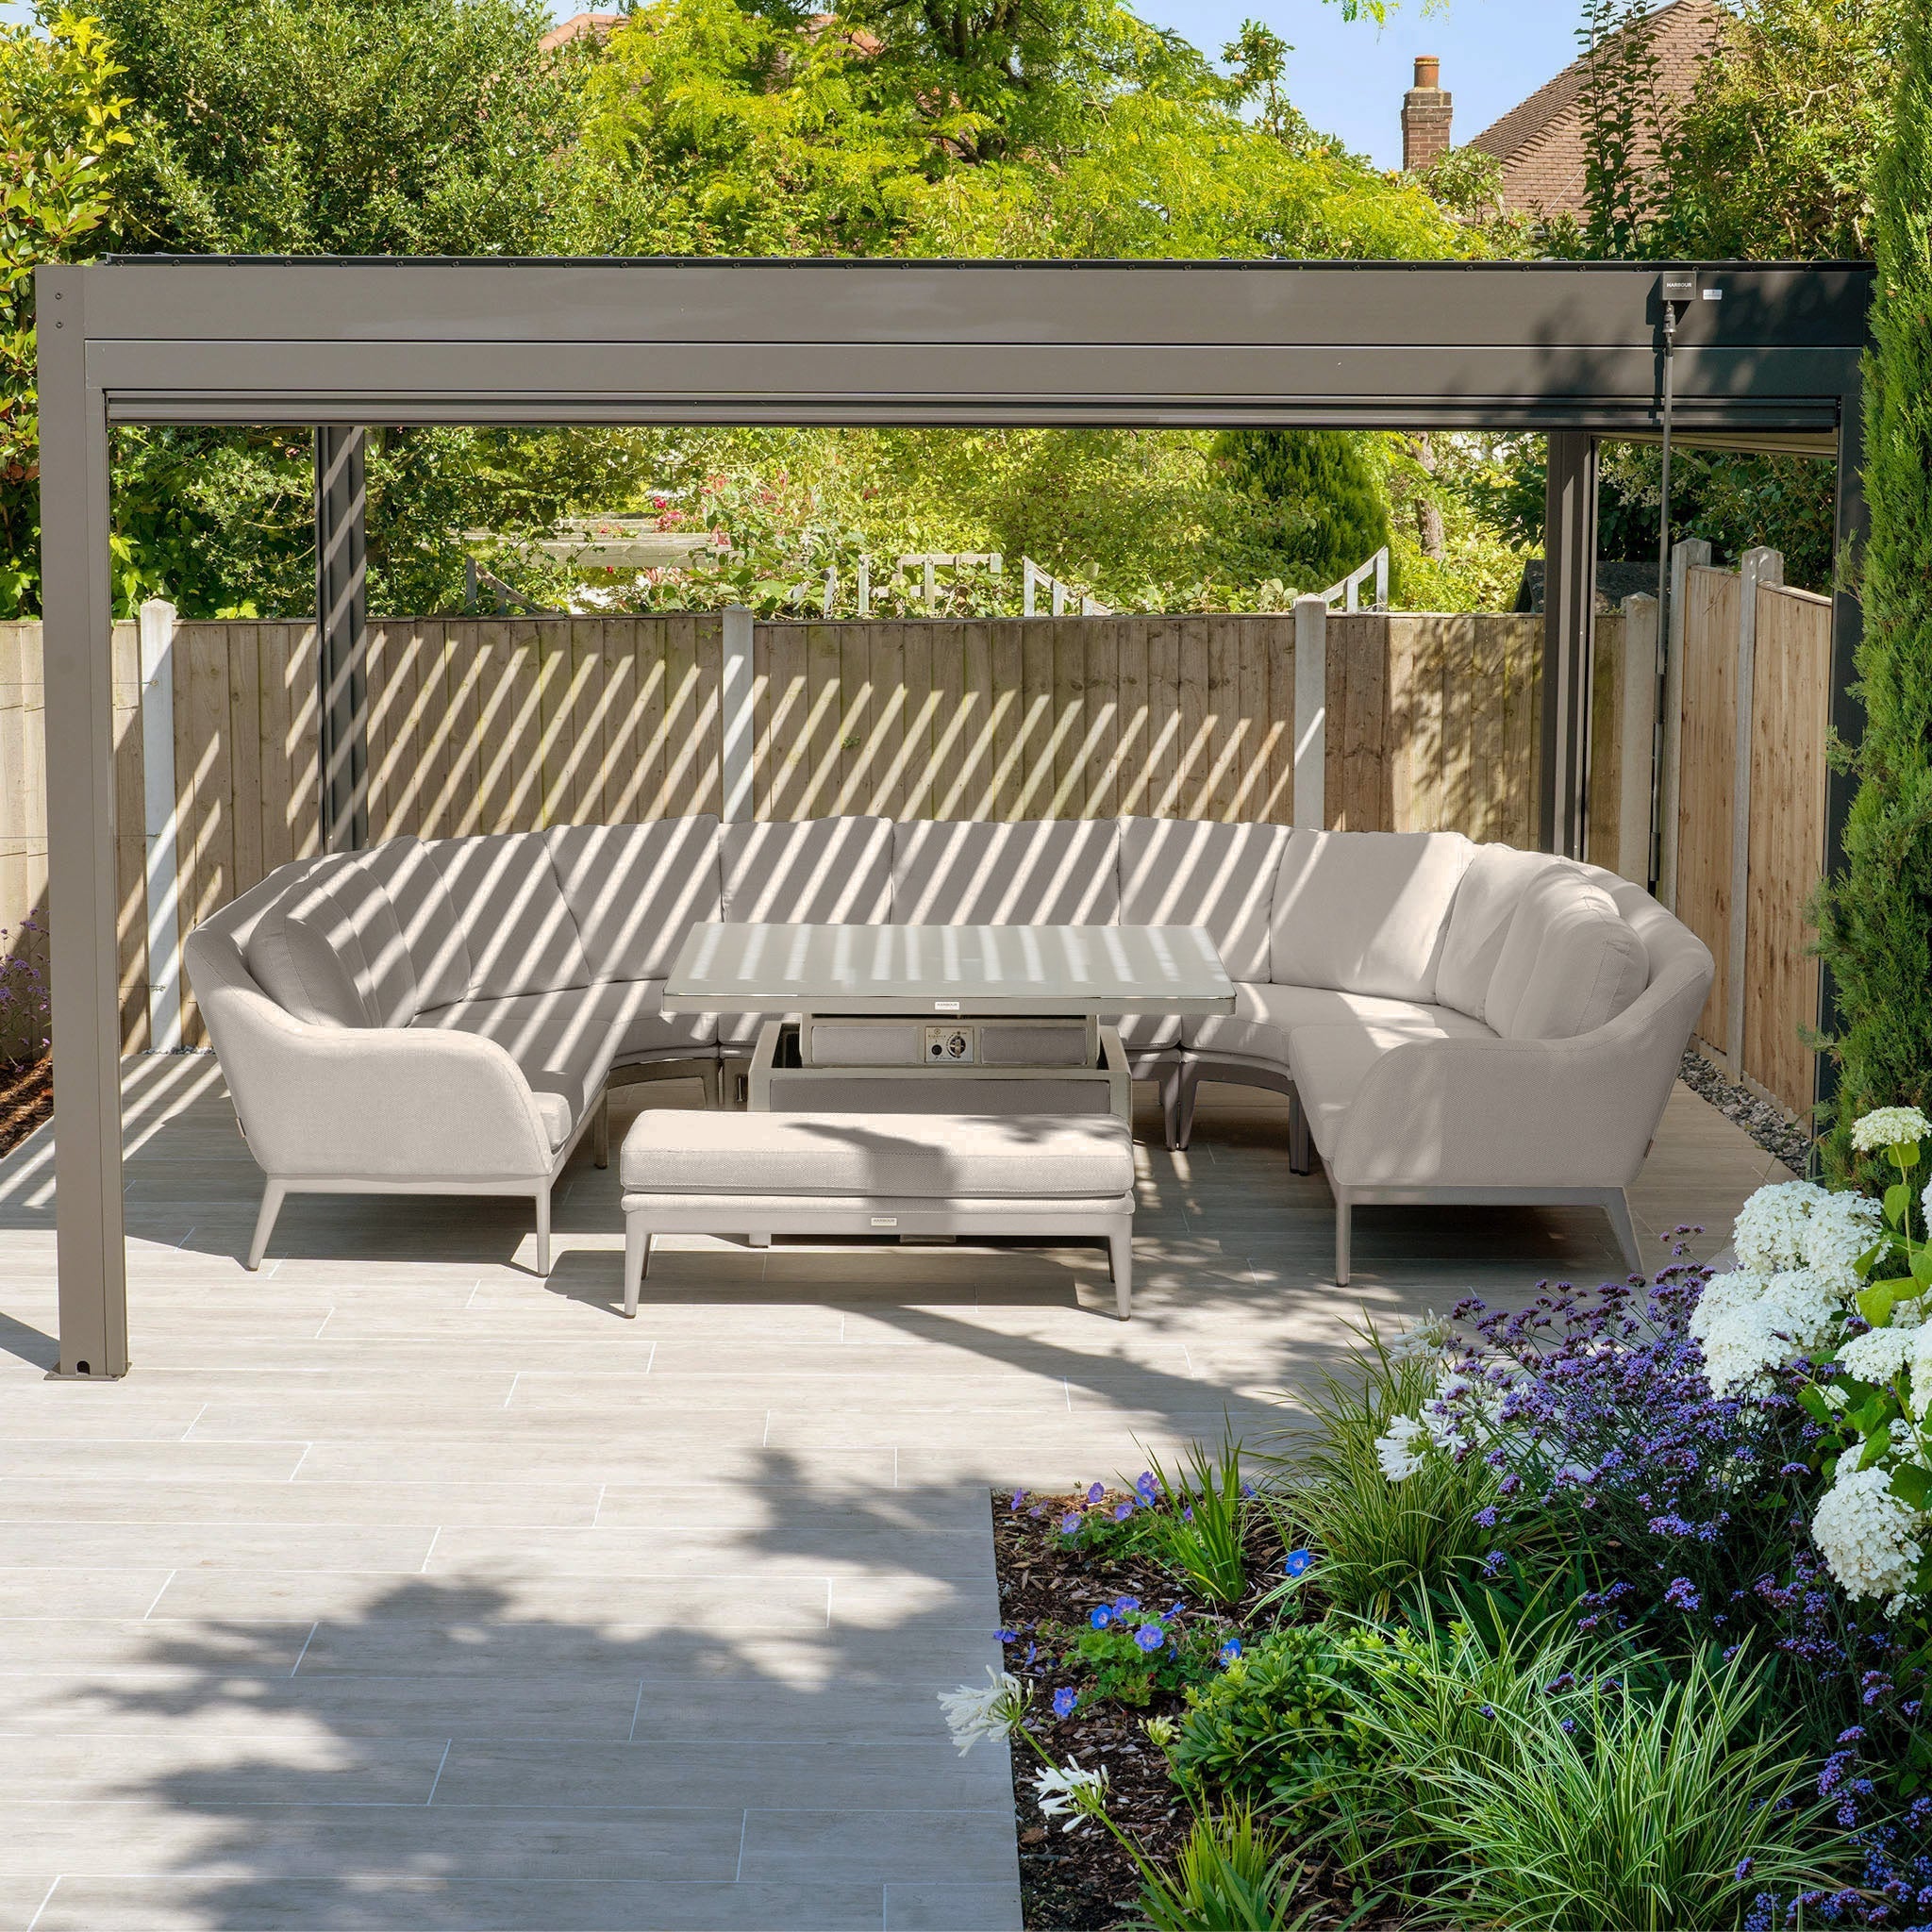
(76, 606)
(1569, 637)
(342, 635)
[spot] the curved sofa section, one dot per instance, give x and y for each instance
(1452, 1022)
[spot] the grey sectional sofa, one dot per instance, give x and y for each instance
(1453, 1021)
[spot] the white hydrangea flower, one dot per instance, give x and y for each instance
(1837, 1231)
(994, 1713)
(1889, 1126)
(1769, 1232)
(1070, 1791)
(1396, 1450)
(1878, 1356)
(1795, 1314)
(1865, 1535)
(1724, 1294)
(1920, 1363)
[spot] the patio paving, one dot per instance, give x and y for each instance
(398, 1588)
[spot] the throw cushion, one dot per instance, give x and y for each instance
(305, 959)
(1364, 911)
(1569, 963)
(1486, 902)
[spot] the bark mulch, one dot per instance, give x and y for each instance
(26, 1099)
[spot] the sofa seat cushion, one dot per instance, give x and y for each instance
(1569, 964)
(1364, 911)
(1264, 1016)
(636, 891)
(1329, 1063)
(902, 1157)
(1028, 872)
(1199, 872)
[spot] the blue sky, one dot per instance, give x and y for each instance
(1348, 78)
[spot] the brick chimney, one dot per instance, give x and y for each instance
(1424, 115)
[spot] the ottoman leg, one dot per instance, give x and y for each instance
(637, 1258)
(1120, 1248)
(543, 1229)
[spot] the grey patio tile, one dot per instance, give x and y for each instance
(29, 1466)
(107, 1592)
(118, 1643)
(225, 1546)
(22, 1896)
(914, 1908)
(957, 1847)
(394, 1903)
(214, 1769)
(401, 1503)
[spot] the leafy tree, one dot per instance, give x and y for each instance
(61, 145)
(1626, 126)
(1331, 508)
(1876, 917)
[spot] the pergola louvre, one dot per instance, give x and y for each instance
(1575, 350)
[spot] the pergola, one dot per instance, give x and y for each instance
(1763, 357)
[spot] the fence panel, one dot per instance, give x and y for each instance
(1709, 738)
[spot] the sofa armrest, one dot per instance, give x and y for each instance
(1507, 1113)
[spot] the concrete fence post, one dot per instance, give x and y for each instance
(159, 826)
(1759, 569)
(1637, 736)
(735, 696)
(1693, 553)
(1311, 712)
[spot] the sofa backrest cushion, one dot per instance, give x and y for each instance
(1197, 872)
(305, 955)
(814, 872)
(1029, 871)
(432, 934)
(1364, 911)
(511, 911)
(1486, 902)
(1569, 963)
(634, 891)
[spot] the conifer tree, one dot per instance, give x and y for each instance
(1333, 510)
(1875, 922)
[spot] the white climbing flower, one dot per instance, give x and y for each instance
(1068, 1791)
(1889, 1126)
(1793, 1314)
(1396, 1450)
(1865, 1535)
(994, 1713)
(1878, 1356)
(1769, 1232)
(1838, 1231)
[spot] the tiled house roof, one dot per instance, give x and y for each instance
(578, 25)
(1539, 142)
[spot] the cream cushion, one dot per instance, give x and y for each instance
(1486, 902)
(1191, 872)
(1032, 872)
(636, 891)
(1569, 963)
(922, 1157)
(515, 921)
(406, 875)
(1265, 1016)
(1364, 911)
(812, 872)
(306, 957)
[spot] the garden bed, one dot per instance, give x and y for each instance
(26, 1099)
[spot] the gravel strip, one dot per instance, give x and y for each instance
(1769, 1126)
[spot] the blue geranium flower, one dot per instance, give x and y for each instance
(1148, 1489)
(1122, 1512)
(1101, 1617)
(1097, 1493)
(1126, 1606)
(1299, 1562)
(1006, 1637)
(1064, 1700)
(1070, 1523)
(1149, 1637)
(1230, 1649)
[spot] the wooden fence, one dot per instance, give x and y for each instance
(504, 725)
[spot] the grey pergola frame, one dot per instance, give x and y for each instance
(1571, 349)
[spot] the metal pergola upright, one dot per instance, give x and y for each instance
(1765, 355)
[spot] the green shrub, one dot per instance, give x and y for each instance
(1231, 1876)
(1197, 1525)
(1379, 1541)
(1128, 1653)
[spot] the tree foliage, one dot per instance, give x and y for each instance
(1330, 509)
(1876, 924)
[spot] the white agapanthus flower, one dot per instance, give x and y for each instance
(1864, 1533)
(1838, 1231)
(1889, 1126)
(1069, 1792)
(1398, 1448)
(1793, 1313)
(993, 1714)
(1769, 1232)
(1432, 1335)
(1877, 1356)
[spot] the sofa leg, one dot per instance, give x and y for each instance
(1344, 1213)
(600, 1132)
(273, 1195)
(543, 1230)
(637, 1259)
(1617, 1205)
(1180, 1108)
(709, 1079)
(1119, 1249)
(1301, 1156)
(760, 1240)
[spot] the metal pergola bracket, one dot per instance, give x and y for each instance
(1568, 348)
